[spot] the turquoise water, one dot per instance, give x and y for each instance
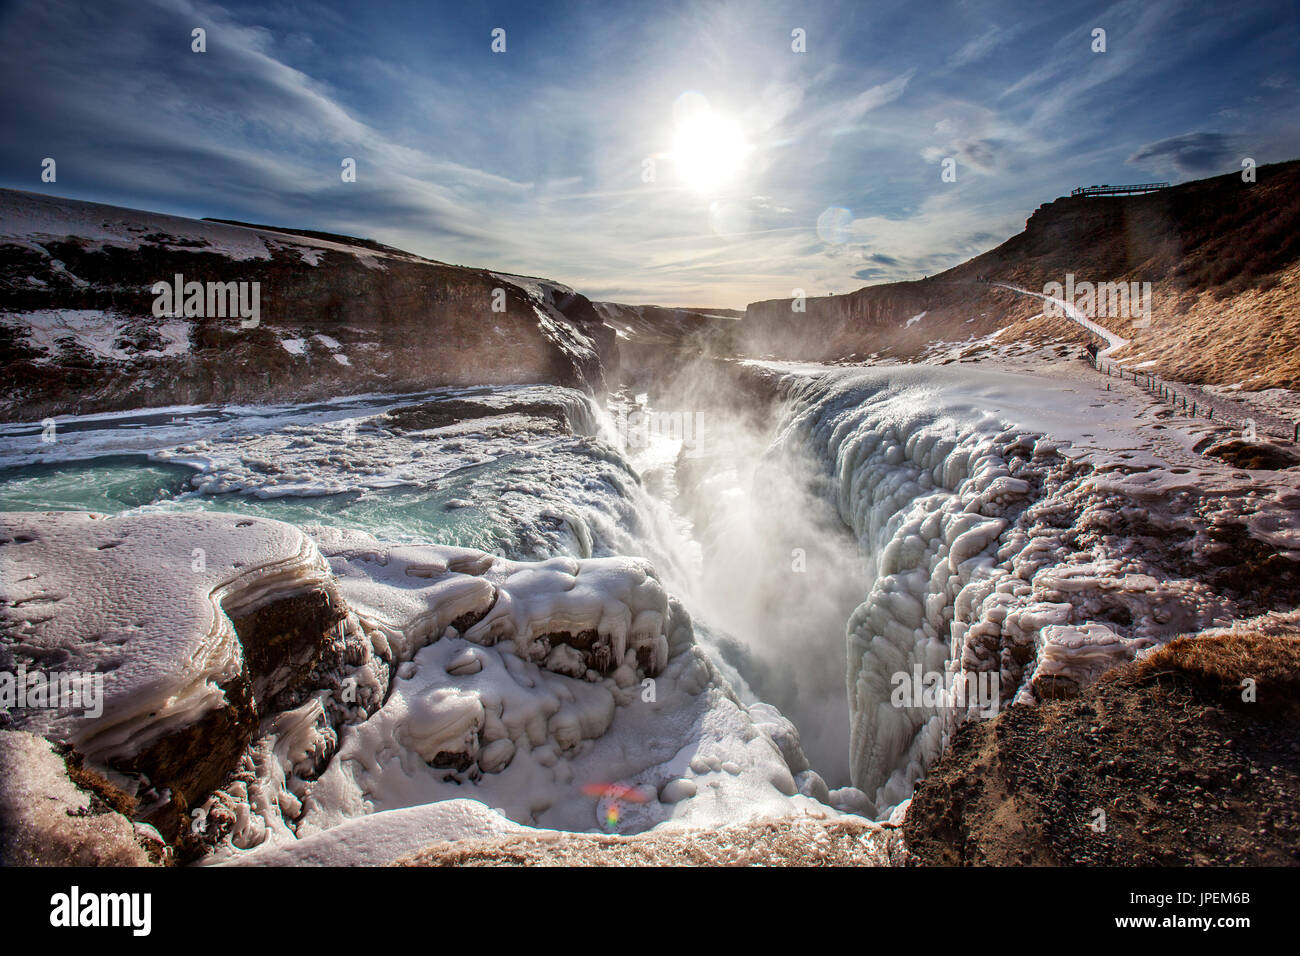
(412, 516)
(132, 483)
(507, 486)
(107, 485)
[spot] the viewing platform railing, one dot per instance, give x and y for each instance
(1134, 190)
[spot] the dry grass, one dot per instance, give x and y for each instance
(104, 794)
(1220, 664)
(1212, 338)
(789, 841)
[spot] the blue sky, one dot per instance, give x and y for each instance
(534, 160)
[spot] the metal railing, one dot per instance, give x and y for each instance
(1168, 392)
(1134, 190)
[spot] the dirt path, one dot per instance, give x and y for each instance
(1235, 413)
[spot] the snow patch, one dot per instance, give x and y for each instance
(96, 331)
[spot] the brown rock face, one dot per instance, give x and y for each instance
(336, 315)
(658, 344)
(189, 764)
(282, 642)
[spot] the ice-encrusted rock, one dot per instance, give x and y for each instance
(783, 733)
(146, 602)
(1003, 554)
(195, 624)
(1071, 658)
(497, 755)
(851, 800)
(811, 784)
(380, 838)
(431, 670)
(519, 683)
(442, 726)
(570, 615)
(677, 790)
(545, 736)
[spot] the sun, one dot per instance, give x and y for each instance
(709, 149)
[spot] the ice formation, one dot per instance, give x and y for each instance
(147, 602)
(515, 684)
(455, 690)
(453, 674)
(584, 618)
(1003, 550)
(380, 838)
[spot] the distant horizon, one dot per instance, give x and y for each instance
(685, 307)
(711, 153)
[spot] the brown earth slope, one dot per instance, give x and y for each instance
(1162, 762)
(1222, 255)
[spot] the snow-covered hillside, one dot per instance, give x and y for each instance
(308, 315)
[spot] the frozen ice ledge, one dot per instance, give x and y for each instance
(262, 684)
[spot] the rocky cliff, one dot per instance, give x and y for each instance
(656, 343)
(1222, 256)
(86, 326)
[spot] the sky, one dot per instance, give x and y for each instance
(678, 153)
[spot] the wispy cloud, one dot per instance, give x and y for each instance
(978, 47)
(535, 161)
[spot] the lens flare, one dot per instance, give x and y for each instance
(611, 797)
(833, 225)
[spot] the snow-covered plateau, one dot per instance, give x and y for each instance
(340, 632)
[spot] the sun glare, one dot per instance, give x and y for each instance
(709, 150)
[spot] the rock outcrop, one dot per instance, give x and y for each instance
(49, 819)
(335, 315)
(657, 344)
(160, 641)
